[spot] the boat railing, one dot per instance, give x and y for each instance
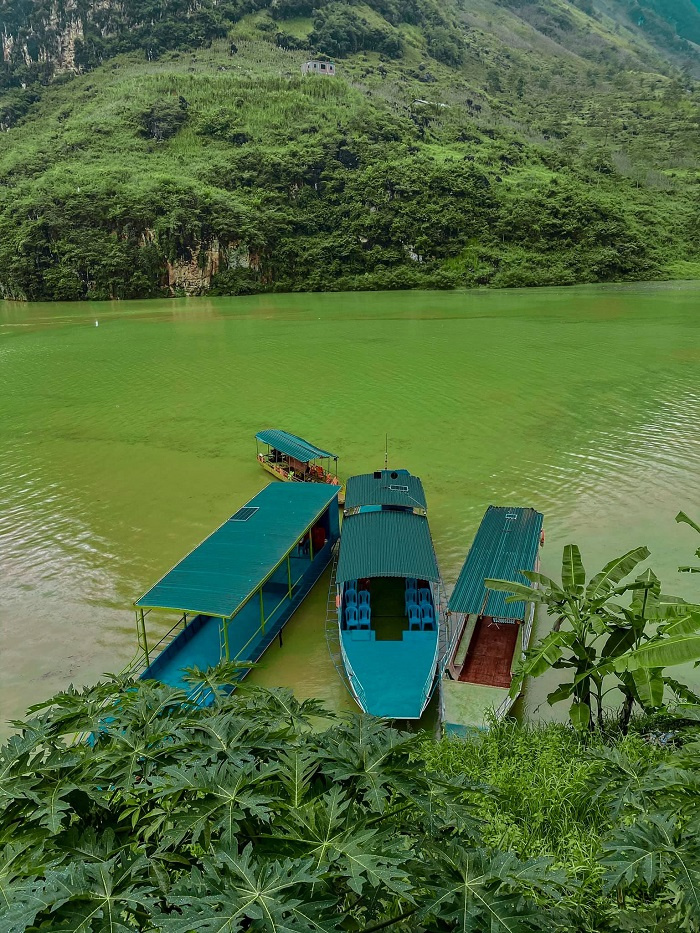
(141, 660)
(333, 624)
(527, 631)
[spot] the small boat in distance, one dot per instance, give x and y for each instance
(294, 460)
(488, 634)
(388, 595)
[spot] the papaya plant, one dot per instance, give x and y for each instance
(244, 815)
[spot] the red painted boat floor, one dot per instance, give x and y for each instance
(490, 654)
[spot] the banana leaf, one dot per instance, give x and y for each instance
(615, 571)
(649, 686)
(573, 574)
(662, 651)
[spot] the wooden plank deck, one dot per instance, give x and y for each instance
(490, 654)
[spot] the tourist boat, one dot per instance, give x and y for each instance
(294, 460)
(488, 634)
(388, 595)
(235, 592)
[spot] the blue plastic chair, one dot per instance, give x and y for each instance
(365, 616)
(414, 620)
(411, 583)
(350, 597)
(364, 597)
(427, 615)
(351, 616)
(424, 596)
(410, 598)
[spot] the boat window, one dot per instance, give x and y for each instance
(399, 488)
(242, 515)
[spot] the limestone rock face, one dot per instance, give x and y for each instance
(193, 276)
(45, 37)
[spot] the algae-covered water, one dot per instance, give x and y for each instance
(122, 445)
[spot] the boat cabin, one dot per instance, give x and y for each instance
(387, 594)
(235, 592)
(488, 634)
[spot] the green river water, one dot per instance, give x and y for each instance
(122, 445)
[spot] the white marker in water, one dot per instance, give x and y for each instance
(97, 323)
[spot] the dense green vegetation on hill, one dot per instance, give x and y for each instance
(496, 143)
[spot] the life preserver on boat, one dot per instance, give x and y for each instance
(337, 600)
(542, 538)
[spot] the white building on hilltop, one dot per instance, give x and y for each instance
(318, 67)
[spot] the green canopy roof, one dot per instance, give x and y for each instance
(506, 543)
(384, 543)
(385, 487)
(219, 575)
(293, 446)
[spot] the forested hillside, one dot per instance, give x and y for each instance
(165, 146)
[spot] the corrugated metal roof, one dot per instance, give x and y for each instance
(506, 543)
(386, 544)
(293, 446)
(385, 487)
(219, 575)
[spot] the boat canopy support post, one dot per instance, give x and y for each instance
(224, 628)
(289, 576)
(142, 636)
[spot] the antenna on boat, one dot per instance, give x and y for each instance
(386, 451)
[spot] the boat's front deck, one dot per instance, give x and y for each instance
(490, 656)
(468, 706)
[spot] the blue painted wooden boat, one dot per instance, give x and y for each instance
(294, 460)
(236, 591)
(388, 595)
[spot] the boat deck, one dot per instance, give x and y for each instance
(490, 654)
(469, 707)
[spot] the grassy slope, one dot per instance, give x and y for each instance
(567, 151)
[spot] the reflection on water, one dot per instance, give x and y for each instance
(123, 445)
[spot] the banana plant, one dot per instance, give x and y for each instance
(595, 636)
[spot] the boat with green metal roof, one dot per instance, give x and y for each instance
(388, 595)
(488, 633)
(294, 460)
(234, 593)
